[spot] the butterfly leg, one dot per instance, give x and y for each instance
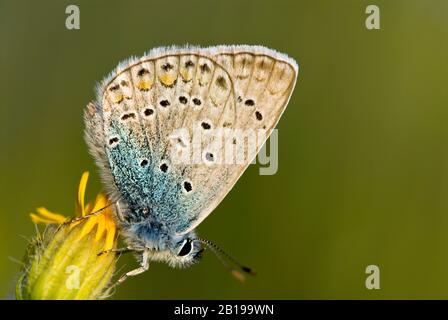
(119, 250)
(87, 216)
(143, 267)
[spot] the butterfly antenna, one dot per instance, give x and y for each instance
(221, 254)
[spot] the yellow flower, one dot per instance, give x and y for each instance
(103, 220)
(63, 262)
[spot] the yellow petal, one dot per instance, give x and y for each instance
(101, 220)
(81, 193)
(88, 208)
(100, 202)
(110, 235)
(87, 227)
(38, 219)
(45, 216)
(45, 213)
(74, 224)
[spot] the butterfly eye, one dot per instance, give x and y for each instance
(186, 248)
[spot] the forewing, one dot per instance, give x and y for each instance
(162, 124)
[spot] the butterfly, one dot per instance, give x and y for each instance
(150, 109)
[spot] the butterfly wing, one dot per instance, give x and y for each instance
(160, 127)
(263, 81)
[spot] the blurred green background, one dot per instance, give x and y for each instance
(363, 155)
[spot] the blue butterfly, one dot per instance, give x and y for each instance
(169, 132)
